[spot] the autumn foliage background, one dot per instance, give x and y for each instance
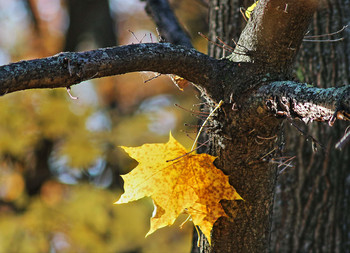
(60, 164)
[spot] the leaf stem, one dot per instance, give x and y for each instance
(206, 120)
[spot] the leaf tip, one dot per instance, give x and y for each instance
(123, 147)
(149, 232)
(170, 136)
(117, 202)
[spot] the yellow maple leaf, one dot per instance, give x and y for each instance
(177, 181)
(205, 216)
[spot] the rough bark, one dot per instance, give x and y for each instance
(224, 21)
(226, 24)
(66, 69)
(301, 101)
(311, 212)
(234, 139)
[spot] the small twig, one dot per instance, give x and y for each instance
(151, 37)
(343, 141)
(139, 41)
(188, 152)
(190, 125)
(306, 134)
(280, 163)
(70, 95)
(251, 131)
(188, 132)
(152, 78)
(191, 111)
(242, 10)
(206, 120)
(183, 223)
(199, 104)
(160, 38)
(289, 159)
(266, 138)
(333, 119)
(328, 34)
(212, 42)
(285, 167)
(198, 235)
(229, 48)
(259, 143)
(202, 144)
(270, 152)
(330, 40)
(237, 48)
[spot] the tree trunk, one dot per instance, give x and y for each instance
(248, 227)
(89, 20)
(225, 23)
(311, 211)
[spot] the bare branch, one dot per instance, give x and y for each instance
(297, 100)
(66, 69)
(167, 22)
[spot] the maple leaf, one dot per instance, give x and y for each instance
(177, 181)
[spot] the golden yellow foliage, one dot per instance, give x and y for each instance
(27, 119)
(11, 185)
(177, 181)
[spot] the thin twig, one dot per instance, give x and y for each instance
(343, 141)
(201, 144)
(212, 42)
(200, 130)
(270, 152)
(152, 78)
(289, 159)
(191, 111)
(70, 95)
(191, 125)
(229, 48)
(285, 167)
(306, 134)
(139, 41)
(328, 34)
(188, 152)
(333, 40)
(266, 138)
(188, 132)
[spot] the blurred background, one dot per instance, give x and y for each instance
(60, 163)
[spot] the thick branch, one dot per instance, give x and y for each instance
(166, 21)
(274, 33)
(306, 102)
(66, 69)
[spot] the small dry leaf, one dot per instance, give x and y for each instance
(191, 183)
(180, 82)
